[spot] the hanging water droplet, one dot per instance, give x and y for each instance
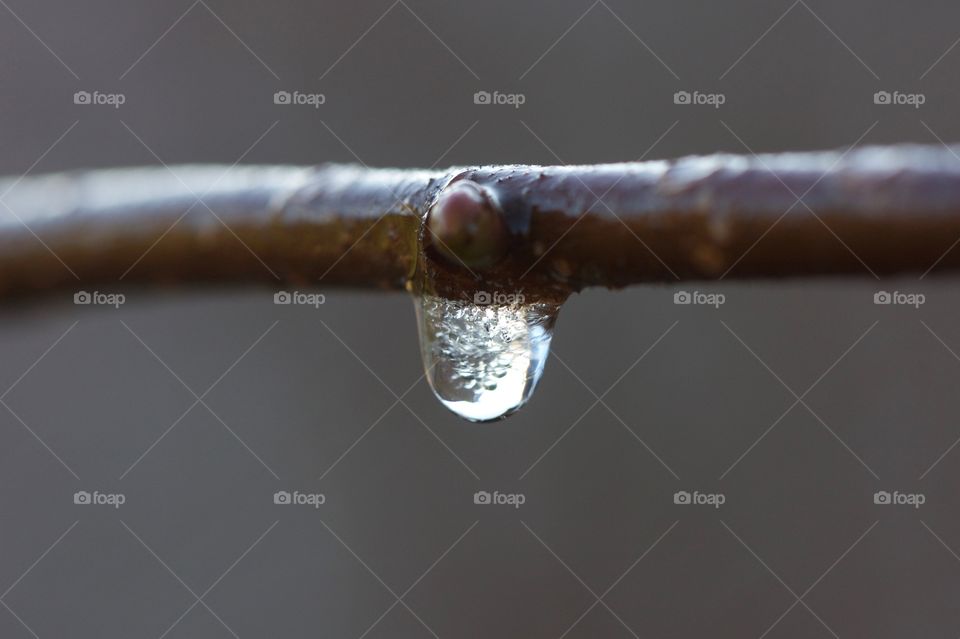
(483, 361)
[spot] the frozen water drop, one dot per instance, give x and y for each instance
(483, 361)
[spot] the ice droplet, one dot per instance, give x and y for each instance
(483, 361)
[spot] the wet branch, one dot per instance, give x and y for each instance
(873, 211)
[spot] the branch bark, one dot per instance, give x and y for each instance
(879, 210)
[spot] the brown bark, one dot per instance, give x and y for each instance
(879, 210)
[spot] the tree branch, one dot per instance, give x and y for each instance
(879, 210)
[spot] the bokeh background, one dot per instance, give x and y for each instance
(797, 401)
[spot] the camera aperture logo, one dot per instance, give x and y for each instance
(698, 298)
(898, 98)
(298, 298)
(516, 100)
(696, 498)
(296, 498)
(98, 298)
(898, 298)
(496, 298)
(297, 98)
(897, 498)
(496, 498)
(96, 98)
(697, 98)
(96, 498)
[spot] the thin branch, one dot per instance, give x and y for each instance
(877, 209)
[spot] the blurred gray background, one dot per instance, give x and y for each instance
(797, 401)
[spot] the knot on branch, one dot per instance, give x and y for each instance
(466, 225)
